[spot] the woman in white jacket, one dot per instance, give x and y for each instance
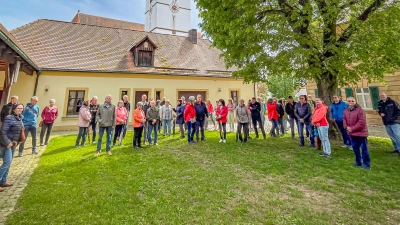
(166, 116)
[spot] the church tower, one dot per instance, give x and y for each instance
(168, 17)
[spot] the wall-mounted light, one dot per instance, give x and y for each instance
(219, 89)
(46, 88)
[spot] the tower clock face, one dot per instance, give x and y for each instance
(174, 6)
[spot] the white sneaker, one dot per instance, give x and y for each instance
(350, 147)
(156, 144)
(224, 141)
(220, 140)
(344, 146)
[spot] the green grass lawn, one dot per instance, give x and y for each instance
(269, 181)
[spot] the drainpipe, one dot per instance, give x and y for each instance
(36, 82)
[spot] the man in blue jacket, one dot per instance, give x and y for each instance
(302, 111)
(337, 111)
(201, 116)
(30, 114)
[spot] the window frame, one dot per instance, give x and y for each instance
(151, 58)
(237, 93)
(67, 99)
(365, 96)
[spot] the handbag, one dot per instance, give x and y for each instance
(41, 123)
(22, 135)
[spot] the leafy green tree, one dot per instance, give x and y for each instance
(283, 86)
(333, 42)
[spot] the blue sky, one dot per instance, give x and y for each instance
(16, 13)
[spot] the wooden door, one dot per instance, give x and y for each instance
(138, 97)
(187, 94)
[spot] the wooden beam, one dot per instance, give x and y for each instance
(6, 88)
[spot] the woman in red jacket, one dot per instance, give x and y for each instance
(355, 122)
(272, 116)
(319, 120)
(189, 115)
(221, 114)
(210, 109)
(49, 115)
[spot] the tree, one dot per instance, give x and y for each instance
(333, 42)
(283, 86)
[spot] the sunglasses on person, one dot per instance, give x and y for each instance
(350, 101)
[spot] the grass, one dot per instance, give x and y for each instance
(269, 181)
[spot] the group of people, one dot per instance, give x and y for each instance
(18, 121)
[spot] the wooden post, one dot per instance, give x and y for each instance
(7, 85)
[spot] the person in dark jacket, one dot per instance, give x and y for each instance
(255, 109)
(337, 111)
(289, 109)
(127, 106)
(281, 114)
(9, 137)
(355, 122)
(180, 109)
(303, 114)
(7, 109)
(93, 111)
(201, 116)
(152, 117)
(389, 110)
(145, 106)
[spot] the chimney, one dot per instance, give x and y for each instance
(193, 36)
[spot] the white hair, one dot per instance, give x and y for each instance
(95, 97)
(52, 100)
(35, 98)
(125, 96)
(109, 95)
(191, 98)
(14, 97)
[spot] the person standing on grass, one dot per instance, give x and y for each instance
(145, 106)
(29, 115)
(285, 115)
(210, 110)
(201, 116)
(10, 135)
(319, 120)
(180, 110)
(121, 115)
(7, 108)
(49, 115)
(231, 115)
(355, 122)
(163, 101)
(263, 109)
(106, 118)
(303, 114)
(255, 108)
(337, 111)
(152, 117)
(221, 114)
(289, 109)
(281, 114)
(139, 119)
(127, 106)
(243, 120)
(389, 110)
(93, 111)
(272, 116)
(166, 116)
(83, 123)
(190, 118)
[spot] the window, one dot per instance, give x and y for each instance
(349, 92)
(75, 99)
(316, 93)
(339, 93)
(234, 97)
(158, 95)
(145, 58)
(364, 98)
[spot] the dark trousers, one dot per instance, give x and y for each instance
(32, 130)
(256, 120)
(137, 136)
(182, 130)
(308, 127)
(144, 130)
(343, 131)
(191, 129)
(245, 131)
(82, 134)
(274, 128)
(118, 129)
(222, 129)
(200, 127)
(46, 128)
(93, 124)
(362, 158)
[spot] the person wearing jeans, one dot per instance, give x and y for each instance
(201, 116)
(152, 117)
(289, 109)
(319, 120)
(243, 120)
(49, 115)
(355, 122)
(389, 110)
(106, 118)
(83, 123)
(180, 109)
(255, 110)
(127, 106)
(29, 120)
(337, 110)
(93, 111)
(272, 116)
(303, 114)
(166, 116)
(9, 138)
(190, 118)
(221, 114)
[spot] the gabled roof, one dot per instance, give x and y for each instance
(68, 46)
(106, 22)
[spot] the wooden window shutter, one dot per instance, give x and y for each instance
(349, 92)
(316, 93)
(339, 92)
(374, 93)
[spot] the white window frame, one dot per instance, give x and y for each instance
(363, 98)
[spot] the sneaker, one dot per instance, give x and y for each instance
(224, 140)
(109, 153)
(41, 144)
(327, 156)
(356, 165)
(83, 145)
(365, 167)
(97, 154)
(76, 146)
(47, 143)
(350, 147)
(20, 154)
(395, 152)
(93, 142)
(321, 154)
(156, 144)
(35, 151)
(150, 144)
(344, 146)
(220, 140)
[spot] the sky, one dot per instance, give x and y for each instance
(16, 13)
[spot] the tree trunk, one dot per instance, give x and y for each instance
(327, 87)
